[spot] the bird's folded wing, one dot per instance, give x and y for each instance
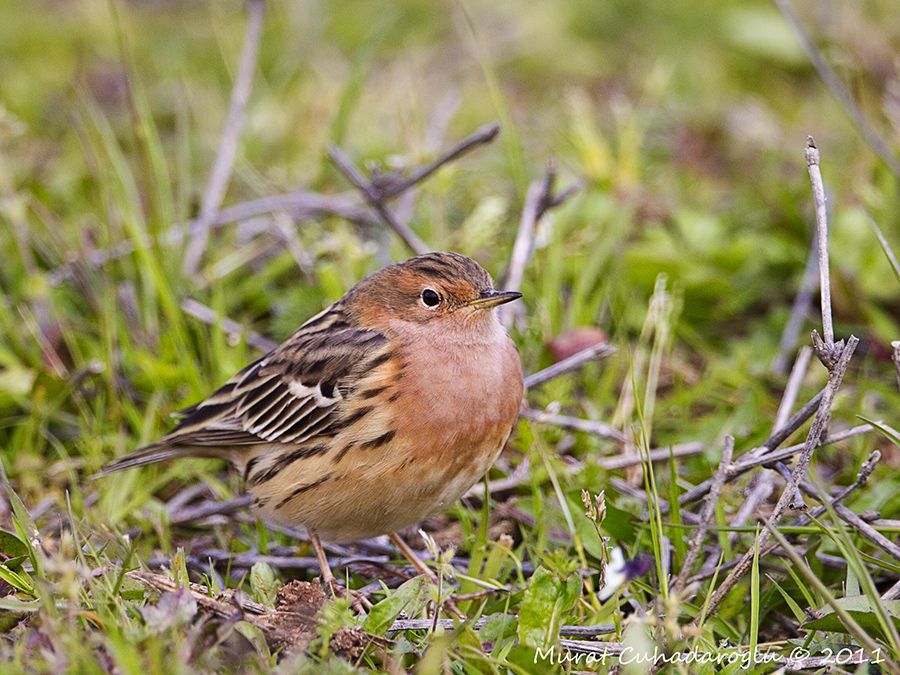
(288, 396)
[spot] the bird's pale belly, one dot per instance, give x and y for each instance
(375, 497)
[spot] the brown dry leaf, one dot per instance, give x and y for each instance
(575, 340)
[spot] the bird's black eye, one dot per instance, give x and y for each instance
(430, 298)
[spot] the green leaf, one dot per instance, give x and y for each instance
(18, 580)
(263, 583)
(888, 432)
(545, 601)
(798, 613)
(25, 526)
(497, 627)
(11, 604)
(860, 608)
(410, 598)
(762, 32)
(12, 547)
(886, 247)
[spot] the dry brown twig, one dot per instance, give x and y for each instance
(234, 330)
(225, 606)
(706, 515)
(787, 497)
(540, 198)
(757, 454)
(600, 429)
(818, 188)
(762, 485)
(378, 191)
(301, 205)
(838, 90)
(847, 620)
(895, 355)
(800, 311)
(835, 356)
(760, 489)
(481, 136)
(376, 199)
(845, 514)
(574, 362)
(220, 175)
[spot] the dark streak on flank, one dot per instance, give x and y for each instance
(372, 392)
(285, 461)
(378, 442)
(260, 502)
(393, 397)
(249, 467)
(303, 488)
(347, 448)
(357, 415)
(379, 360)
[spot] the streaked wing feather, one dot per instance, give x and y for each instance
(290, 394)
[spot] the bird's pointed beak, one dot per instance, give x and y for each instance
(489, 299)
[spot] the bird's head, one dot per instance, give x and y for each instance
(439, 289)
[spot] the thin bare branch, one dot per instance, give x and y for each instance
(574, 362)
(220, 175)
(792, 388)
(376, 200)
(799, 312)
(208, 315)
(773, 547)
(895, 355)
(773, 442)
(848, 621)
(845, 514)
(224, 606)
(706, 515)
(481, 136)
(190, 514)
(838, 90)
(748, 462)
(301, 205)
(521, 474)
(762, 485)
(892, 593)
(658, 455)
(813, 439)
(862, 476)
(595, 428)
(540, 198)
(815, 177)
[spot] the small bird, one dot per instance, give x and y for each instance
(378, 411)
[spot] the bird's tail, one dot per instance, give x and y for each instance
(150, 454)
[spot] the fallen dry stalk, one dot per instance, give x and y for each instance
(706, 515)
(540, 198)
(574, 362)
(835, 356)
(220, 175)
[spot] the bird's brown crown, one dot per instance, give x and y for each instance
(421, 289)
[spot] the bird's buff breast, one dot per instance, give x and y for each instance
(453, 408)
